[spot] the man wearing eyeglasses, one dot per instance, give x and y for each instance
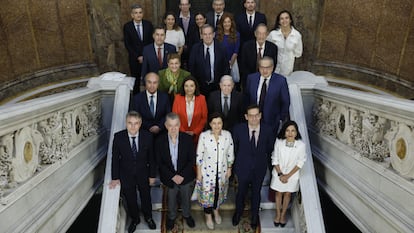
(253, 146)
(270, 91)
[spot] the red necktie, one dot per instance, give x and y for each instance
(159, 57)
(259, 56)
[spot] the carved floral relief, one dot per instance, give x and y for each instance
(372, 134)
(26, 151)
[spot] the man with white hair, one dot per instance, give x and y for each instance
(228, 102)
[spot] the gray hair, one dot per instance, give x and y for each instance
(172, 116)
(206, 26)
(136, 6)
(134, 114)
(266, 58)
(225, 78)
(261, 25)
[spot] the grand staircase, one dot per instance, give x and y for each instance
(226, 210)
(305, 215)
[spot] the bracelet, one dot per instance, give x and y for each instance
(279, 174)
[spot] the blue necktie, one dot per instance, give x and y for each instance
(152, 107)
(134, 148)
(139, 32)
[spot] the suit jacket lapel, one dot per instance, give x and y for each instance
(164, 59)
(255, 87)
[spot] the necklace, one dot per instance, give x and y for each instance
(290, 144)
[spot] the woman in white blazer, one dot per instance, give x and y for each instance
(288, 157)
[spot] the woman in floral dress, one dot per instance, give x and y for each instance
(215, 157)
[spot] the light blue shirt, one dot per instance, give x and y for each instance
(173, 151)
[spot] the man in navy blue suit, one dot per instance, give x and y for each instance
(247, 22)
(155, 54)
(253, 146)
(133, 166)
(137, 34)
(214, 16)
(153, 105)
(208, 62)
(270, 91)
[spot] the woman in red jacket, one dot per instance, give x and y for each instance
(191, 106)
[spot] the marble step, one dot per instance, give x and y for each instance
(267, 213)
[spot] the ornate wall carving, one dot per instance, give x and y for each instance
(372, 134)
(26, 151)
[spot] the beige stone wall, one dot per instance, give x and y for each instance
(369, 41)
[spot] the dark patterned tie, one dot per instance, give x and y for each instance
(139, 32)
(253, 140)
(134, 148)
(217, 20)
(250, 22)
(226, 106)
(263, 95)
(208, 65)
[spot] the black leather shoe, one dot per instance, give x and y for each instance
(132, 226)
(235, 220)
(150, 223)
(170, 224)
(253, 226)
(190, 221)
(282, 224)
(276, 224)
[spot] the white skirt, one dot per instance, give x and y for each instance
(291, 186)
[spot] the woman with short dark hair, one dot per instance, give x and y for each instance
(288, 157)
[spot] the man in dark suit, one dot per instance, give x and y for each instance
(133, 166)
(253, 50)
(187, 22)
(253, 146)
(155, 54)
(270, 91)
(208, 62)
(214, 16)
(176, 158)
(228, 102)
(247, 21)
(152, 105)
(137, 34)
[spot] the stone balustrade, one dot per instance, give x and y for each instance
(379, 128)
(37, 134)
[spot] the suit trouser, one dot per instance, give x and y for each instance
(244, 182)
(185, 191)
(129, 189)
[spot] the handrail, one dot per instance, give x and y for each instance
(308, 184)
(110, 197)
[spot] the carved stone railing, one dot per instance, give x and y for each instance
(380, 128)
(52, 155)
(38, 134)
